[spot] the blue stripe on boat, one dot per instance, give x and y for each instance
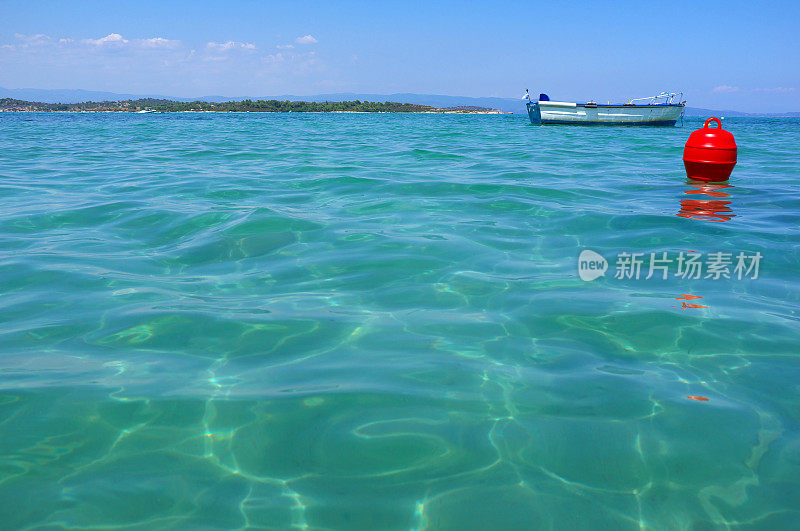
(565, 122)
(633, 105)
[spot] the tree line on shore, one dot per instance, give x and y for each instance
(158, 105)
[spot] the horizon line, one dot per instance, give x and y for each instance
(125, 97)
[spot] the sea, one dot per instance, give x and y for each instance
(395, 321)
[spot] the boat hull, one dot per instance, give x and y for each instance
(562, 113)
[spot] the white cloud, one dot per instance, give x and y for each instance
(28, 42)
(110, 39)
(725, 88)
(158, 42)
(306, 39)
(776, 89)
(31, 43)
(32, 39)
(230, 45)
(130, 60)
(274, 58)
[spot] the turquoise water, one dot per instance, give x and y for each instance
(377, 322)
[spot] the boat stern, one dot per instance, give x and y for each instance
(534, 112)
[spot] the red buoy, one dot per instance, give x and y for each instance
(710, 153)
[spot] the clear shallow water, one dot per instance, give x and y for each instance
(376, 321)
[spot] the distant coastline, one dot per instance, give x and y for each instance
(437, 101)
(145, 105)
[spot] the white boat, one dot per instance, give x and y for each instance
(659, 110)
(145, 111)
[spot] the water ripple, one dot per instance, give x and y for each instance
(375, 321)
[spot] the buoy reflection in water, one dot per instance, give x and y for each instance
(706, 209)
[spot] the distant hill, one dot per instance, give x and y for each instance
(433, 100)
(439, 101)
(696, 111)
(160, 105)
(70, 96)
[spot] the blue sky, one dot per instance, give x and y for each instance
(723, 55)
